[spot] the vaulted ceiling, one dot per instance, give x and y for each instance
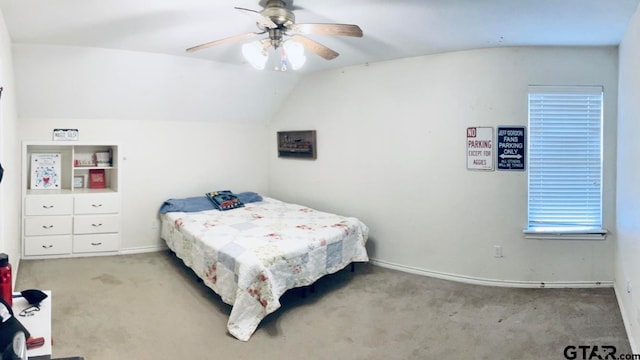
(392, 29)
(216, 83)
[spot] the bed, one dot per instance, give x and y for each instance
(252, 255)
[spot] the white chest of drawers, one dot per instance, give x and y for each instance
(96, 223)
(71, 220)
(48, 224)
(91, 224)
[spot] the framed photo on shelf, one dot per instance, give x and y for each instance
(297, 144)
(79, 181)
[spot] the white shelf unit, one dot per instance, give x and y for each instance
(71, 221)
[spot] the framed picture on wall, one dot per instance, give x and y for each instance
(297, 144)
(65, 134)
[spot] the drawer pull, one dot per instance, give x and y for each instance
(96, 205)
(48, 206)
(47, 226)
(96, 244)
(47, 246)
(96, 225)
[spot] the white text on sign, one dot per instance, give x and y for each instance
(511, 148)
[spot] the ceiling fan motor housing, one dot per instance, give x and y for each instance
(278, 13)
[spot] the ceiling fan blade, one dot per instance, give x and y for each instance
(328, 29)
(223, 41)
(315, 47)
(263, 21)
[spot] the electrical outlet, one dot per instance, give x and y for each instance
(155, 224)
(497, 251)
(629, 288)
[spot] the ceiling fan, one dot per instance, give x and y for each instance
(279, 23)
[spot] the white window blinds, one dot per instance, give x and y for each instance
(565, 159)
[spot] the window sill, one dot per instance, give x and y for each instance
(566, 235)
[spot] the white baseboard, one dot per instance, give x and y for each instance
(492, 282)
(143, 249)
(625, 319)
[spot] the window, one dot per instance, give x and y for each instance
(565, 160)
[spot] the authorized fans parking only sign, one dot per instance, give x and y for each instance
(511, 148)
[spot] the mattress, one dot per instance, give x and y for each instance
(251, 255)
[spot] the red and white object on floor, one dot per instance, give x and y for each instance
(38, 323)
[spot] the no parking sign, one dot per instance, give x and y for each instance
(480, 148)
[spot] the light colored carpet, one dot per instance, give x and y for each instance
(150, 306)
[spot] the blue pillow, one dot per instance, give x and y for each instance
(190, 204)
(248, 197)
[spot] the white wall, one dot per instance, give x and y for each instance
(9, 146)
(391, 151)
(177, 128)
(168, 159)
(628, 195)
(89, 83)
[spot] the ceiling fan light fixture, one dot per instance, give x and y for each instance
(255, 54)
(277, 20)
(295, 54)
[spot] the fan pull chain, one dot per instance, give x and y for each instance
(283, 60)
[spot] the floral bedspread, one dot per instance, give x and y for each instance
(251, 255)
